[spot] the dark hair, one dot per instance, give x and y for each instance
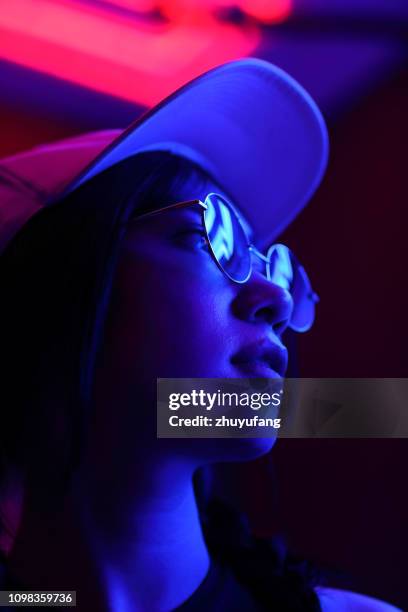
(56, 278)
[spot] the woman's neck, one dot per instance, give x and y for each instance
(121, 550)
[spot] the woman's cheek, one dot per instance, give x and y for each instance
(173, 316)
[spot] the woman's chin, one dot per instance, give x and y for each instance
(244, 449)
(213, 450)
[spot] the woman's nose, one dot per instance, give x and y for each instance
(260, 301)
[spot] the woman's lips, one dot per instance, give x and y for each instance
(262, 359)
(257, 369)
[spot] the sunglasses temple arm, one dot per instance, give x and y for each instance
(152, 213)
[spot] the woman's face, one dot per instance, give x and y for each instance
(175, 314)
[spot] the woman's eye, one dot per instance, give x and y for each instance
(193, 238)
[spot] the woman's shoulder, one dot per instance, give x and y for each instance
(337, 600)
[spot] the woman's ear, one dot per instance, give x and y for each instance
(11, 507)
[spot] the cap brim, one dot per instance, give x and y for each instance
(252, 126)
(249, 124)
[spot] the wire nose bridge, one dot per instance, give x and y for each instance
(265, 260)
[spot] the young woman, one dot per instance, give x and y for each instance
(107, 285)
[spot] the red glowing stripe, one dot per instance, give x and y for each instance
(115, 54)
(265, 11)
(140, 6)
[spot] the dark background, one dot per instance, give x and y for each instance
(342, 503)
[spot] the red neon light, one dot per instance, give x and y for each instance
(141, 6)
(116, 53)
(265, 11)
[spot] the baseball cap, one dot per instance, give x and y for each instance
(247, 122)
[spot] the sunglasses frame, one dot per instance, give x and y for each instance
(251, 247)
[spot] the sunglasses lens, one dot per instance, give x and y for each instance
(227, 238)
(284, 270)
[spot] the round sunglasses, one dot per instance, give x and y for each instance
(232, 251)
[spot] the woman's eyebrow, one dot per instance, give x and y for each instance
(190, 214)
